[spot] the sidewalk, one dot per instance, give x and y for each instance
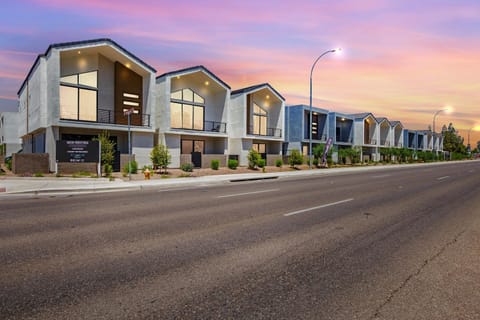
(31, 185)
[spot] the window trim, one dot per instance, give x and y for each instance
(80, 87)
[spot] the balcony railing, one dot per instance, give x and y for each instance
(208, 126)
(111, 117)
(385, 143)
(270, 132)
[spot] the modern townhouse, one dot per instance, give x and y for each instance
(384, 133)
(76, 90)
(193, 116)
(341, 129)
(9, 141)
(367, 136)
(256, 122)
(297, 128)
(396, 134)
(410, 139)
(437, 145)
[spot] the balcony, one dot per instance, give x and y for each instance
(208, 126)
(270, 132)
(111, 117)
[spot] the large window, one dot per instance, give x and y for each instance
(187, 110)
(259, 120)
(78, 96)
(259, 147)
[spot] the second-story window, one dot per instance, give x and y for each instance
(259, 120)
(78, 96)
(187, 110)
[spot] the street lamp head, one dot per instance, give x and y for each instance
(337, 50)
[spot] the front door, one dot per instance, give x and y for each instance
(196, 149)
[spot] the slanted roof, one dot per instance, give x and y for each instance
(191, 70)
(256, 88)
(382, 119)
(363, 115)
(80, 43)
(396, 123)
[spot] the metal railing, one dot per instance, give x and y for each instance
(270, 132)
(208, 126)
(112, 117)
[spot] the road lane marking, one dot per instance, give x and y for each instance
(318, 207)
(442, 178)
(382, 176)
(247, 193)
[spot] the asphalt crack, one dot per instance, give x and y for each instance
(416, 273)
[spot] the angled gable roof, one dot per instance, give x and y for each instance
(191, 70)
(396, 123)
(257, 87)
(363, 115)
(382, 119)
(84, 43)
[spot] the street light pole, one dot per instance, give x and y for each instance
(435, 116)
(310, 117)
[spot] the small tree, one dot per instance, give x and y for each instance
(295, 158)
(253, 158)
(107, 152)
(160, 157)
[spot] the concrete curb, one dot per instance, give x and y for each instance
(120, 185)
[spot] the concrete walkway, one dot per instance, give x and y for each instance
(30, 185)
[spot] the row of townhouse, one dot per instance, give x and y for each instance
(349, 130)
(76, 90)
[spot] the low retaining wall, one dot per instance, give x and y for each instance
(207, 159)
(30, 163)
(71, 168)
(271, 158)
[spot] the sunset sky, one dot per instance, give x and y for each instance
(401, 59)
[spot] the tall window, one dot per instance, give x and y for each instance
(78, 96)
(259, 120)
(187, 110)
(260, 147)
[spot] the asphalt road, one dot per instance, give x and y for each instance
(394, 244)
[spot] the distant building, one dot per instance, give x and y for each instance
(9, 140)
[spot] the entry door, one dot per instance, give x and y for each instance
(195, 148)
(261, 148)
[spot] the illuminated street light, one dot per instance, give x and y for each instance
(310, 129)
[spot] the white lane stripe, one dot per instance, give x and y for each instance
(247, 193)
(318, 207)
(382, 176)
(441, 178)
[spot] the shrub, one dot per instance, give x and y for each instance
(38, 174)
(133, 167)
(160, 157)
(232, 164)
(295, 158)
(107, 152)
(279, 163)
(8, 163)
(253, 157)
(187, 167)
(261, 163)
(215, 164)
(147, 167)
(107, 169)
